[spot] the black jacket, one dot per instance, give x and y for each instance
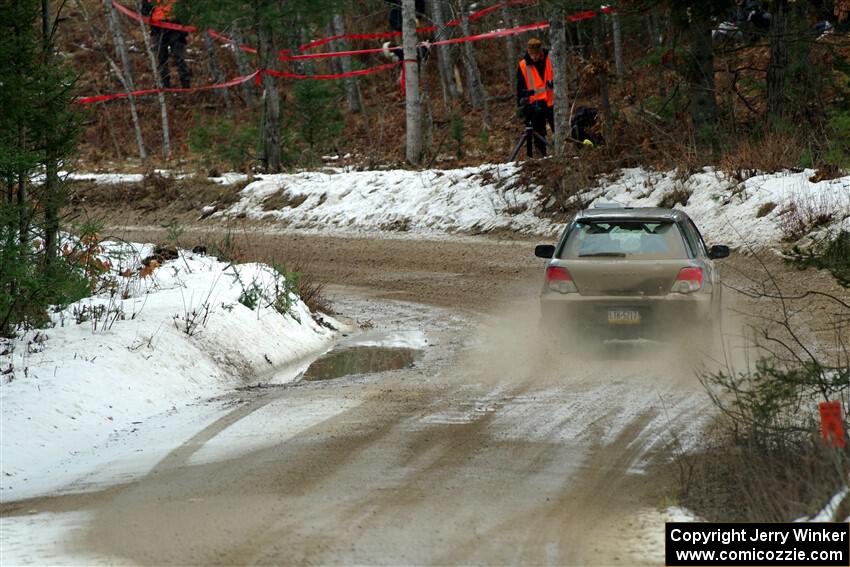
(521, 91)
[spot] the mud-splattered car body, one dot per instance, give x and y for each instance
(622, 272)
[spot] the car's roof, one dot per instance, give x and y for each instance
(632, 213)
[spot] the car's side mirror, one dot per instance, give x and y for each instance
(544, 251)
(718, 251)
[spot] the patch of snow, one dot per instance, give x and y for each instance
(644, 542)
(45, 539)
(828, 512)
(115, 359)
(230, 178)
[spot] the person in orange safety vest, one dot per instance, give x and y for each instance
(535, 90)
(167, 41)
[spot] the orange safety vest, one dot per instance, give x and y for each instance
(162, 11)
(534, 83)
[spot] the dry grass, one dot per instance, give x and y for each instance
(737, 481)
(804, 213)
(774, 152)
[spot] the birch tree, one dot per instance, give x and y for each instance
(444, 54)
(413, 108)
(617, 32)
(163, 109)
(125, 76)
(474, 85)
(215, 72)
(352, 86)
(558, 58)
(241, 60)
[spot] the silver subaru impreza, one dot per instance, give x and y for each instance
(631, 273)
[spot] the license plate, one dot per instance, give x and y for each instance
(623, 317)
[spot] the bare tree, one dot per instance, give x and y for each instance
(558, 58)
(352, 87)
(125, 76)
(216, 73)
(163, 110)
(444, 54)
(510, 46)
(271, 101)
(474, 85)
(617, 32)
(778, 58)
(410, 65)
(242, 66)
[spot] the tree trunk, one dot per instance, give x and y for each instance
(163, 110)
(271, 102)
(700, 76)
(658, 42)
(413, 108)
(352, 87)
(601, 48)
(125, 76)
(444, 54)
(243, 67)
(558, 57)
(474, 85)
(617, 32)
(510, 47)
(778, 59)
(216, 73)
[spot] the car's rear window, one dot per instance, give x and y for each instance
(649, 240)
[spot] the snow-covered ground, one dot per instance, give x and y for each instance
(489, 197)
(148, 344)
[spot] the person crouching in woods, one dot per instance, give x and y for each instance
(535, 91)
(167, 41)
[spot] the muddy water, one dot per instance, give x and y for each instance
(360, 360)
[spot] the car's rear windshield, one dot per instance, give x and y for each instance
(648, 240)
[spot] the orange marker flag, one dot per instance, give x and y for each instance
(831, 424)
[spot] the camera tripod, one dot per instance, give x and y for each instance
(528, 136)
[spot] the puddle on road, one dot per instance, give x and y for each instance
(360, 360)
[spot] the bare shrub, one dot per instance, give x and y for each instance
(766, 460)
(804, 213)
(774, 152)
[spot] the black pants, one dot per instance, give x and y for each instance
(538, 115)
(173, 42)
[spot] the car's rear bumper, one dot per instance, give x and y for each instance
(626, 317)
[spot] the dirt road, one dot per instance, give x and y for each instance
(489, 449)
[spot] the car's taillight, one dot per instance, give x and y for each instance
(559, 279)
(689, 280)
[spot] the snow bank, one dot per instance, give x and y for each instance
(472, 199)
(728, 212)
(490, 197)
(154, 343)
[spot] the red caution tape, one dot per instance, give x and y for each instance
(256, 76)
(477, 37)
(228, 84)
(357, 73)
(387, 35)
